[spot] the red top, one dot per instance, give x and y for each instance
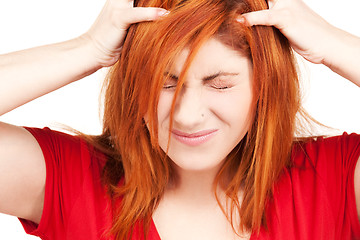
(314, 199)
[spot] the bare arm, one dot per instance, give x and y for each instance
(28, 74)
(22, 174)
(345, 62)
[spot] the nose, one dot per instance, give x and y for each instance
(189, 109)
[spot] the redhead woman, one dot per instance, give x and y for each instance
(202, 128)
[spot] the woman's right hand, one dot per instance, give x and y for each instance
(108, 32)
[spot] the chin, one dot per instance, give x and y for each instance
(196, 164)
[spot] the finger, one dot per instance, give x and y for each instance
(263, 17)
(271, 3)
(141, 14)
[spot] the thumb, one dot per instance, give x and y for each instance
(263, 17)
(140, 14)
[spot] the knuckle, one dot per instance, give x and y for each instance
(286, 14)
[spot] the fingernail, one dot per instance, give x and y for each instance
(240, 19)
(163, 13)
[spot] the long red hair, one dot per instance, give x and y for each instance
(132, 90)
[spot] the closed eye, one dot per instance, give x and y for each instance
(220, 84)
(219, 81)
(221, 88)
(171, 81)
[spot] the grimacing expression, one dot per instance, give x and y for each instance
(213, 111)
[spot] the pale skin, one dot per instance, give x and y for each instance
(218, 76)
(21, 157)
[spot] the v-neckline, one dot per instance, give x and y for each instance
(154, 232)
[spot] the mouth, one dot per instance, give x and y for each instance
(194, 139)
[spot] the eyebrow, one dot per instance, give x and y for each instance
(206, 78)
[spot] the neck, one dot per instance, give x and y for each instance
(195, 186)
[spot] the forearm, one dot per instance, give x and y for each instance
(31, 73)
(344, 56)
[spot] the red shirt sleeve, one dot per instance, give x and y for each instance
(76, 204)
(68, 164)
(315, 198)
(335, 160)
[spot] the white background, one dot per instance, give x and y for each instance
(329, 98)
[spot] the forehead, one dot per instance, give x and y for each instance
(213, 56)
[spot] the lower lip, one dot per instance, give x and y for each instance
(194, 141)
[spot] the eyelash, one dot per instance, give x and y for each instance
(213, 86)
(216, 84)
(220, 87)
(169, 86)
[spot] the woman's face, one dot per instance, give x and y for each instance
(213, 110)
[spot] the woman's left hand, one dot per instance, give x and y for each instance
(306, 30)
(311, 36)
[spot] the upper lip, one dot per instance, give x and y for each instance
(193, 135)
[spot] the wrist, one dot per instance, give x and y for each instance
(342, 55)
(102, 56)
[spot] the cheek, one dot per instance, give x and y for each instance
(234, 108)
(164, 107)
(163, 115)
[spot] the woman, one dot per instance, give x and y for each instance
(174, 98)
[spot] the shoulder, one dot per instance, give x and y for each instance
(48, 138)
(68, 155)
(340, 148)
(73, 188)
(57, 142)
(325, 166)
(317, 190)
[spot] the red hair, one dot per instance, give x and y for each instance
(132, 90)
